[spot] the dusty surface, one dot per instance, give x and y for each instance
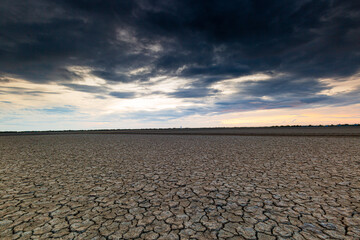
(179, 187)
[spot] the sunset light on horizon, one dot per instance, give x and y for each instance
(165, 64)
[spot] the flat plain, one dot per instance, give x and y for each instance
(148, 186)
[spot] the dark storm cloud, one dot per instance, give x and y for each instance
(85, 88)
(193, 93)
(122, 94)
(283, 86)
(22, 91)
(111, 76)
(202, 41)
(99, 90)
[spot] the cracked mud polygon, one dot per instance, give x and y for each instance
(113, 186)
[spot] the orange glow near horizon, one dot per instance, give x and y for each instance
(312, 116)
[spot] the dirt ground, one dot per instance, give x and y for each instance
(114, 186)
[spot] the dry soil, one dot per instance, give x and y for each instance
(113, 186)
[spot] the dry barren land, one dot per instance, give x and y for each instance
(114, 186)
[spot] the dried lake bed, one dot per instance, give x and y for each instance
(116, 186)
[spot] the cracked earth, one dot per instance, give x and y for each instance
(104, 186)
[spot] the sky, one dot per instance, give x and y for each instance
(100, 64)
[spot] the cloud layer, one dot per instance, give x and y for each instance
(200, 56)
